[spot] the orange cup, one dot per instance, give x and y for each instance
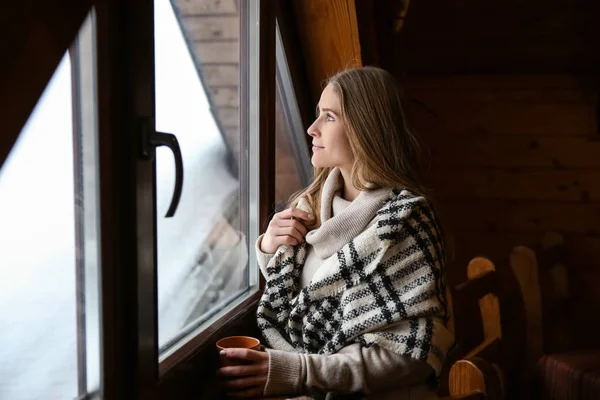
(239, 342)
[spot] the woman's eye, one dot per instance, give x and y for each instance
(330, 117)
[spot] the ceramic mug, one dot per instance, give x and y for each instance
(239, 342)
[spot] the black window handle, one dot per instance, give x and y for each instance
(152, 139)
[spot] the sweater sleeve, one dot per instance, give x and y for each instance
(262, 258)
(353, 369)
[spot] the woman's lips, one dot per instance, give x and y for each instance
(317, 148)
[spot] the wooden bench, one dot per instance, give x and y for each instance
(499, 316)
(488, 318)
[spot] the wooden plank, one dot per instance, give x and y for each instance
(329, 34)
(232, 135)
(498, 215)
(204, 7)
(212, 28)
(225, 96)
(502, 86)
(435, 117)
(464, 245)
(221, 75)
(546, 59)
(217, 52)
(474, 379)
(514, 151)
(228, 117)
(496, 93)
(477, 285)
(488, 304)
(499, 37)
(535, 184)
(232, 139)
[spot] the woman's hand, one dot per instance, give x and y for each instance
(285, 228)
(246, 380)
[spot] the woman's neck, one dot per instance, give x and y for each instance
(349, 192)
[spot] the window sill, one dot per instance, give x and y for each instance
(197, 360)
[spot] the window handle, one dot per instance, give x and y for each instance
(152, 139)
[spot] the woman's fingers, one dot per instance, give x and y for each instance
(288, 231)
(240, 370)
(294, 212)
(246, 354)
(242, 383)
(286, 223)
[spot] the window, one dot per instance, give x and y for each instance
(293, 166)
(203, 256)
(49, 263)
(97, 279)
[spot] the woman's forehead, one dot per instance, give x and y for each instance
(329, 99)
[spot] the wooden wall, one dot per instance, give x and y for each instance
(511, 158)
(505, 95)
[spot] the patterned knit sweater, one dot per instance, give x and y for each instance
(384, 286)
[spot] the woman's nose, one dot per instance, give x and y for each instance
(312, 130)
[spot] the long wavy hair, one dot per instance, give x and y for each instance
(385, 147)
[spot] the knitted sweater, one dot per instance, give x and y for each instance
(377, 372)
(378, 296)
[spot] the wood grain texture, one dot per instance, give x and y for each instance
(229, 117)
(515, 151)
(213, 28)
(206, 7)
(554, 105)
(533, 184)
(221, 74)
(475, 375)
(488, 304)
(533, 216)
(217, 52)
(510, 37)
(582, 250)
(524, 265)
(453, 117)
(225, 96)
(544, 87)
(329, 35)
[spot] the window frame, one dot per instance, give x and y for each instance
(125, 82)
(131, 340)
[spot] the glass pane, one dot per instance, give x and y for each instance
(293, 169)
(203, 249)
(47, 192)
(87, 213)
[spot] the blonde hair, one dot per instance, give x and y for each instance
(385, 148)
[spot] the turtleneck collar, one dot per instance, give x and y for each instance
(337, 230)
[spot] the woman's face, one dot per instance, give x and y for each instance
(331, 147)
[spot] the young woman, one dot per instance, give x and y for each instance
(354, 298)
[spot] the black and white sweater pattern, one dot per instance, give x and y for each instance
(384, 287)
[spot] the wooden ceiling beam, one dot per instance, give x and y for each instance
(328, 32)
(36, 35)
